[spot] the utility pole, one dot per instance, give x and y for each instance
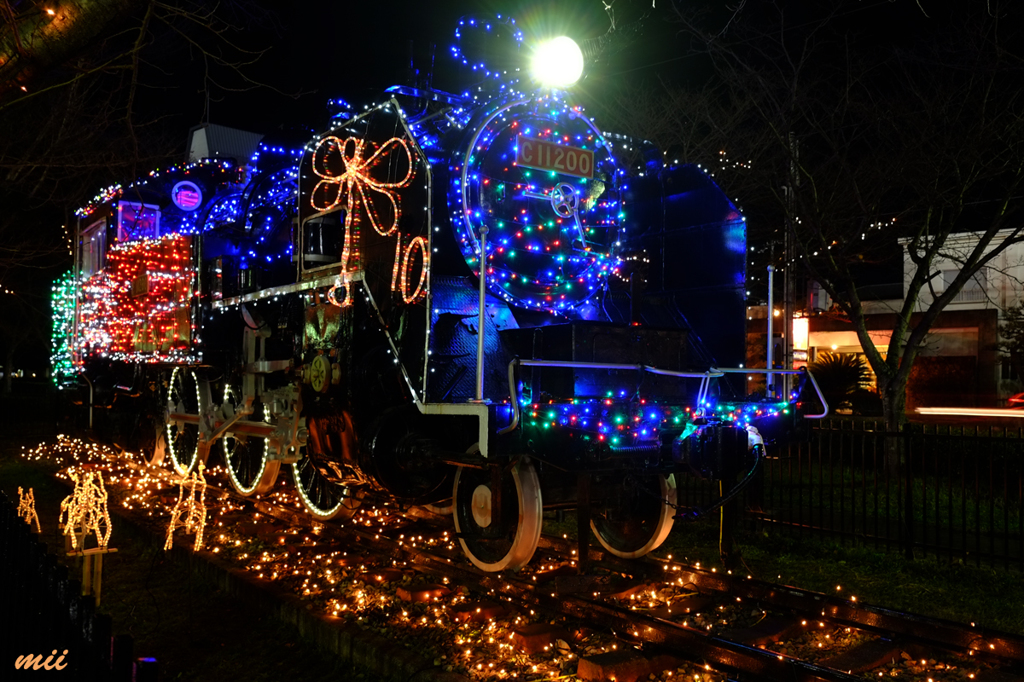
(769, 387)
(789, 280)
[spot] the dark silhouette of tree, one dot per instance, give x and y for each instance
(862, 131)
(1012, 332)
(94, 92)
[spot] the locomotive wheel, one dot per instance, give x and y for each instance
(440, 509)
(446, 507)
(321, 498)
(249, 468)
(520, 510)
(637, 520)
(182, 440)
(156, 456)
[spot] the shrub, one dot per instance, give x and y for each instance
(839, 376)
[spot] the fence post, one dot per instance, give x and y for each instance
(907, 513)
(122, 658)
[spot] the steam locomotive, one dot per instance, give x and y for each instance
(465, 302)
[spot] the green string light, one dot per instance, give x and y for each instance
(63, 307)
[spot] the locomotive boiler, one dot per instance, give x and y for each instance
(440, 300)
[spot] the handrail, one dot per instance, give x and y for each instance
(756, 370)
(824, 403)
(802, 370)
(513, 390)
(615, 365)
(705, 377)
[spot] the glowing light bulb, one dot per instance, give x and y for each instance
(558, 62)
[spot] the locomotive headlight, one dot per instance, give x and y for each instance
(558, 62)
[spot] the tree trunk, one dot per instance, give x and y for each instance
(8, 370)
(1017, 363)
(894, 412)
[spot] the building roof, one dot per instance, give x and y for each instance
(212, 141)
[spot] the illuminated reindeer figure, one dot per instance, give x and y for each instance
(27, 508)
(193, 508)
(85, 510)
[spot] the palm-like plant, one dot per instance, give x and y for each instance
(839, 376)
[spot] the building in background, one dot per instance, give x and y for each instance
(960, 363)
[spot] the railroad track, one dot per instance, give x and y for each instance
(400, 570)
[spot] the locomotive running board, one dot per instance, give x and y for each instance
(328, 281)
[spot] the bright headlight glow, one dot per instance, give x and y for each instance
(558, 62)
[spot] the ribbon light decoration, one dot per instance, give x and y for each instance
(356, 187)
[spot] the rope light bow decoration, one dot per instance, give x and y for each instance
(85, 511)
(347, 170)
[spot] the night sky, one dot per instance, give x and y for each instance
(324, 49)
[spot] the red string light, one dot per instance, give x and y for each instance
(138, 308)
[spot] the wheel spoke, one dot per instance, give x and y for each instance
(246, 457)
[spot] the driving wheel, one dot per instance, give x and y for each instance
(634, 519)
(521, 516)
(323, 499)
(248, 462)
(182, 439)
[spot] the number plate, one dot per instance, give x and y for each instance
(548, 156)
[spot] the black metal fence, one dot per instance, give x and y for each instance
(953, 493)
(46, 617)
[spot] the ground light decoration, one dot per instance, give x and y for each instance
(343, 584)
(27, 508)
(193, 508)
